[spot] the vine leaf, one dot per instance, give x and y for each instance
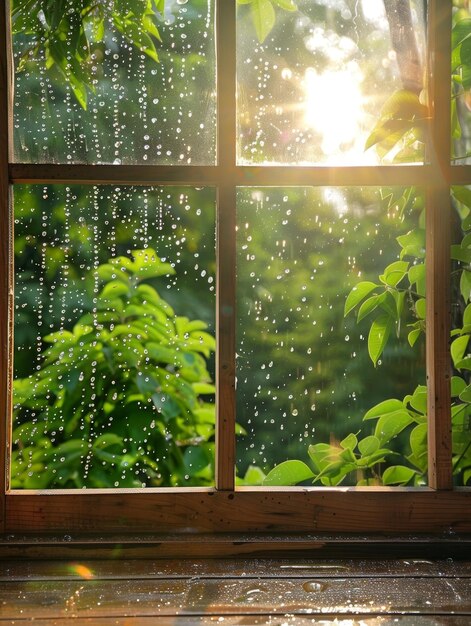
(263, 17)
(357, 294)
(288, 473)
(378, 336)
(398, 475)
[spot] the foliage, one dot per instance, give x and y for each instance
(62, 33)
(124, 398)
(401, 127)
(263, 14)
(372, 456)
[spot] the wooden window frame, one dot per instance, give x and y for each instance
(438, 508)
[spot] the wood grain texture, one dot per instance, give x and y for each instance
(315, 596)
(260, 569)
(438, 240)
(226, 246)
(438, 319)
(252, 620)
(388, 510)
(240, 175)
(5, 271)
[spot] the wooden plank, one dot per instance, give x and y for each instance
(253, 620)
(5, 239)
(211, 546)
(122, 569)
(438, 218)
(320, 510)
(312, 596)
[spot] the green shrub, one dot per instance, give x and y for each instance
(123, 399)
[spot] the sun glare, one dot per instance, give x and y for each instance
(334, 108)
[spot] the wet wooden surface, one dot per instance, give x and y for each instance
(276, 592)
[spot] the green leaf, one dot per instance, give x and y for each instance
(398, 475)
(465, 285)
(417, 276)
(418, 440)
(458, 385)
(263, 18)
(418, 400)
(369, 305)
(460, 254)
(461, 31)
(421, 308)
(413, 243)
(413, 336)
(394, 273)
(383, 408)
(378, 336)
(463, 195)
(465, 394)
(110, 439)
(203, 389)
(287, 5)
(254, 476)
(357, 294)
(368, 445)
(389, 426)
(458, 348)
(388, 131)
(464, 364)
(350, 442)
(288, 473)
(114, 289)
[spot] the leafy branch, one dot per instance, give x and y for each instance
(64, 35)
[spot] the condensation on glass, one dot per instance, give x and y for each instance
(114, 337)
(460, 347)
(334, 83)
(305, 375)
(128, 88)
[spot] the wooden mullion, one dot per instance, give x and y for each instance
(226, 246)
(5, 250)
(226, 173)
(438, 218)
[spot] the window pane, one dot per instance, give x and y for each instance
(100, 87)
(331, 295)
(461, 84)
(114, 337)
(461, 332)
(331, 82)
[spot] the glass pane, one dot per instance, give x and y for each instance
(114, 337)
(461, 84)
(461, 332)
(337, 83)
(116, 82)
(330, 345)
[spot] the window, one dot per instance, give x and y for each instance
(140, 174)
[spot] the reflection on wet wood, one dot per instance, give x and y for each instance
(302, 596)
(226, 568)
(253, 620)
